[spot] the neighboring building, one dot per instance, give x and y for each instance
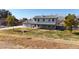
(46, 22)
(77, 18)
(2, 22)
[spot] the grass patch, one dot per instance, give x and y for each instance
(55, 34)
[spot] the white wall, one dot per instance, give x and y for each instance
(44, 22)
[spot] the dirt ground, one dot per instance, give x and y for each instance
(12, 42)
(31, 44)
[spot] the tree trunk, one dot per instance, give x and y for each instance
(70, 28)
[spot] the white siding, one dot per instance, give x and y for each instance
(43, 22)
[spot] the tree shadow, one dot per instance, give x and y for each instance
(76, 33)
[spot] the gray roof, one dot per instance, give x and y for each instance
(44, 16)
(77, 16)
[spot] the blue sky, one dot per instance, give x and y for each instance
(29, 13)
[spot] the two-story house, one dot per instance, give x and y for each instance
(47, 22)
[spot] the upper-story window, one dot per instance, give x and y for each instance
(49, 20)
(34, 19)
(43, 20)
(38, 20)
(53, 19)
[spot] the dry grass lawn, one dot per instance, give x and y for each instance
(38, 38)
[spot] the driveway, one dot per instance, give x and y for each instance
(7, 28)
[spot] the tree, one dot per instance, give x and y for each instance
(8, 18)
(23, 19)
(11, 20)
(70, 21)
(4, 13)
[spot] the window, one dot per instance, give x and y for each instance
(35, 19)
(38, 25)
(43, 20)
(35, 25)
(38, 20)
(49, 20)
(53, 19)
